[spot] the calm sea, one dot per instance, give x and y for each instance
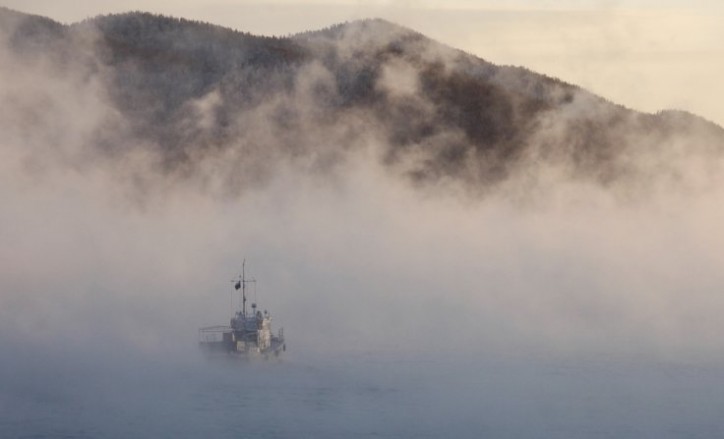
(360, 395)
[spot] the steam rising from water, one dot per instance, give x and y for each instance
(359, 259)
(104, 247)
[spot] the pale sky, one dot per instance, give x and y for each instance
(645, 54)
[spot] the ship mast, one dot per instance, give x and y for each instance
(243, 288)
(241, 283)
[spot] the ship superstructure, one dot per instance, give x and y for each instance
(247, 333)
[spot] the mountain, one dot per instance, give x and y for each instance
(191, 95)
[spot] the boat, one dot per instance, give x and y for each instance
(248, 334)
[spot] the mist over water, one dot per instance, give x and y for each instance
(549, 307)
(406, 315)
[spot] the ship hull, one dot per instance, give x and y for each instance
(218, 341)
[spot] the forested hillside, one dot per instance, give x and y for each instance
(186, 92)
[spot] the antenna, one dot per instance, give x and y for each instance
(243, 287)
(240, 283)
